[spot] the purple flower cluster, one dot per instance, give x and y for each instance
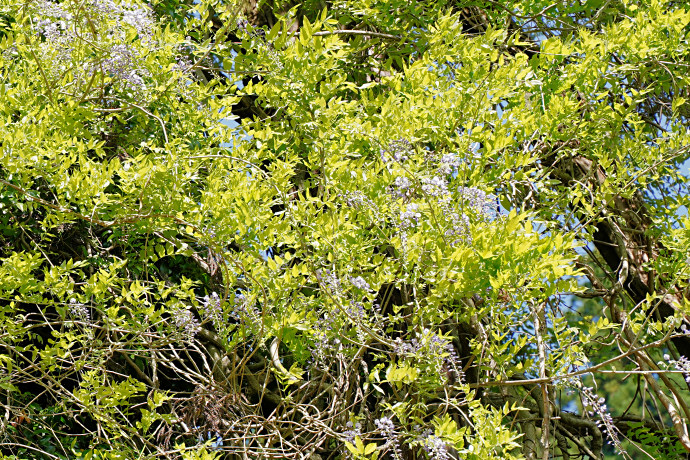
(459, 228)
(55, 25)
(330, 279)
(436, 448)
(211, 308)
(356, 311)
(360, 283)
(402, 187)
(449, 164)
(355, 199)
(682, 364)
(185, 322)
(120, 64)
(424, 340)
(244, 311)
(353, 430)
(358, 200)
(387, 429)
(63, 30)
(138, 18)
(357, 315)
(53, 31)
(79, 311)
(242, 24)
(472, 202)
(478, 201)
(410, 217)
(454, 363)
(432, 348)
(324, 343)
(596, 406)
(183, 64)
(436, 186)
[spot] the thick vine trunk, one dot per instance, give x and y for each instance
(622, 239)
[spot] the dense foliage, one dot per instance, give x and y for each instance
(344, 229)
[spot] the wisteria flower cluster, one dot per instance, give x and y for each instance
(244, 311)
(402, 187)
(596, 407)
(455, 210)
(360, 283)
(448, 164)
(387, 428)
(330, 280)
(436, 186)
(211, 308)
(459, 229)
(325, 342)
(79, 311)
(410, 217)
(185, 321)
(120, 64)
(353, 430)
(62, 31)
(682, 364)
(432, 349)
(435, 447)
(359, 201)
(482, 204)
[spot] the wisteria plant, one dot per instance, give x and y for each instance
(349, 229)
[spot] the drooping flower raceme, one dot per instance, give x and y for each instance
(449, 164)
(436, 448)
(398, 150)
(387, 428)
(211, 308)
(477, 200)
(436, 186)
(79, 311)
(410, 217)
(596, 407)
(120, 64)
(682, 364)
(353, 430)
(66, 27)
(402, 187)
(360, 283)
(185, 322)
